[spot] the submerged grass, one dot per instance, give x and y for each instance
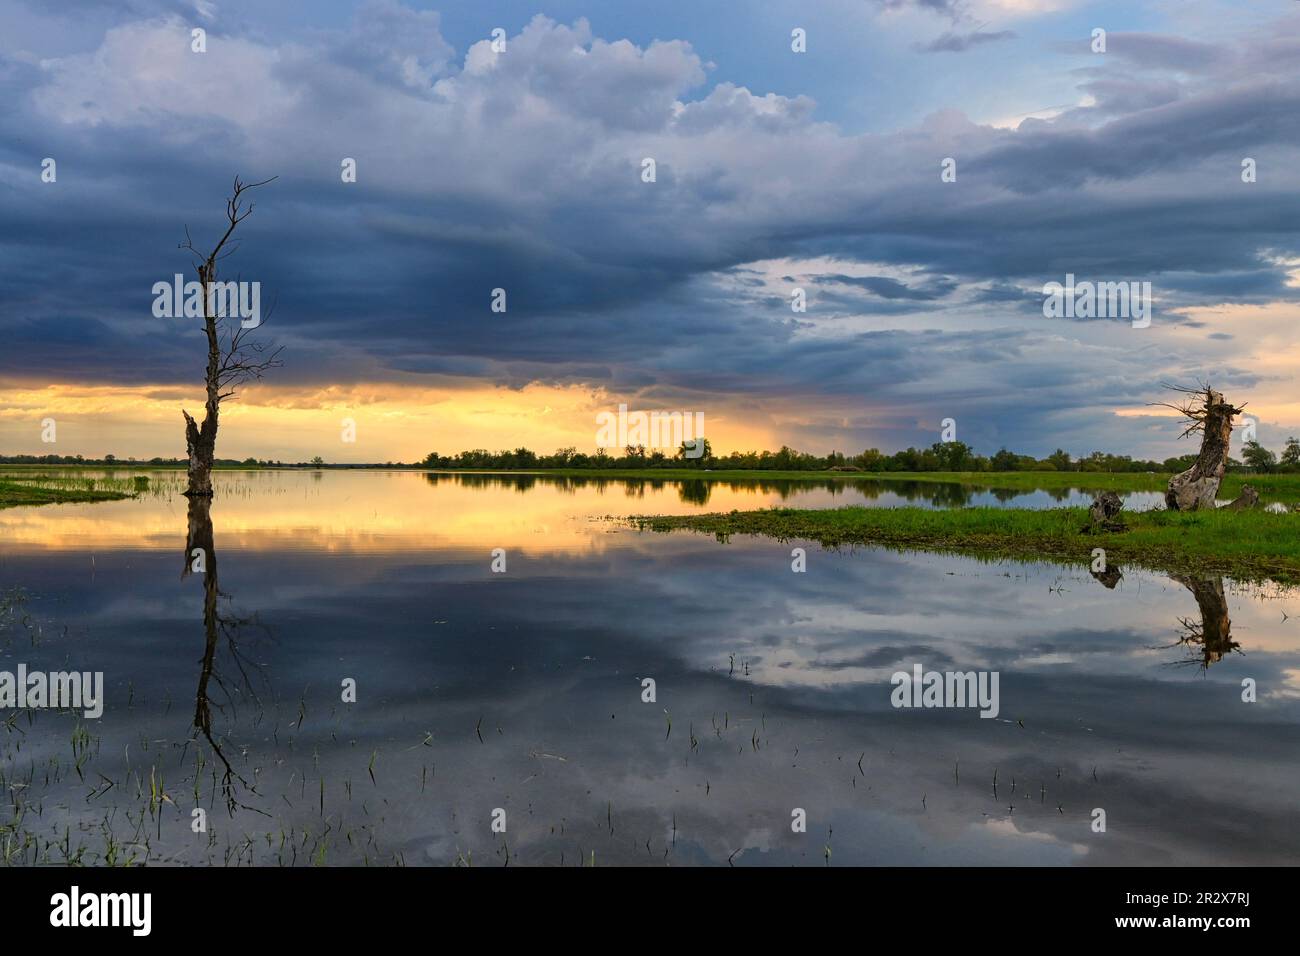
(1252, 545)
(43, 490)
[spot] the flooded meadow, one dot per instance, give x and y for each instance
(390, 667)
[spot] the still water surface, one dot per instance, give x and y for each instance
(522, 691)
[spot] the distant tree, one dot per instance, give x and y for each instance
(1060, 460)
(1004, 460)
(870, 460)
(318, 461)
(952, 456)
(1257, 457)
(691, 455)
(1291, 454)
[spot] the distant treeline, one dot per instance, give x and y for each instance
(112, 461)
(941, 456)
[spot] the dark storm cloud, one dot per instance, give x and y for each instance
(960, 42)
(1003, 293)
(1154, 51)
(888, 288)
(524, 172)
(951, 8)
(122, 9)
(1169, 138)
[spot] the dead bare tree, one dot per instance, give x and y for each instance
(1104, 513)
(234, 357)
(1209, 413)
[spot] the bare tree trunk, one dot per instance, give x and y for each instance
(1198, 486)
(201, 441)
(200, 445)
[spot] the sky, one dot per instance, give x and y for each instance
(522, 168)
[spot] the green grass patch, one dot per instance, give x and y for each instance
(1283, 487)
(1249, 545)
(41, 490)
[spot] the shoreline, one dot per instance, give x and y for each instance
(1272, 484)
(1252, 546)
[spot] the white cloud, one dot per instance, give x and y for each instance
(145, 74)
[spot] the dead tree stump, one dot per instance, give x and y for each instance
(1104, 512)
(1248, 498)
(1210, 414)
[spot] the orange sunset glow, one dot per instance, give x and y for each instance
(394, 422)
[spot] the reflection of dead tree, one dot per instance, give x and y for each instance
(201, 556)
(1212, 634)
(1109, 576)
(230, 363)
(1208, 412)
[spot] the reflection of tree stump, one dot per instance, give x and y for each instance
(1110, 577)
(1248, 498)
(1103, 515)
(199, 537)
(1213, 633)
(1211, 415)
